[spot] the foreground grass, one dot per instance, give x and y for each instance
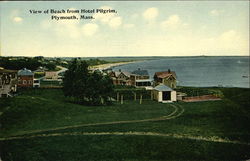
(227, 119)
(41, 109)
(113, 148)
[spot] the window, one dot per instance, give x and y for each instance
(24, 82)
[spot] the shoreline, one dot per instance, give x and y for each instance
(111, 65)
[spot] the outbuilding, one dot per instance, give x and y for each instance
(164, 94)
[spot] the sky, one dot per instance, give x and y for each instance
(138, 28)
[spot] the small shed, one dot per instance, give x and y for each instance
(164, 94)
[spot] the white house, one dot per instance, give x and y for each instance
(164, 94)
(36, 83)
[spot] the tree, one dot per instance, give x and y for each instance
(85, 87)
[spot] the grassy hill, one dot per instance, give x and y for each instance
(47, 127)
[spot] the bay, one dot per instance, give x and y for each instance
(199, 71)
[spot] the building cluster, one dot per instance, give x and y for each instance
(11, 80)
(162, 84)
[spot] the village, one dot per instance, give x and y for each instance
(162, 87)
(138, 106)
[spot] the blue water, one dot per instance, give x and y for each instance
(199, 71)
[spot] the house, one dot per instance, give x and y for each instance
(53, 76)
(36, 83)
(167, 78)
(164, 94)
(8, 82)
(25, 78)
(140, 78)
(120, 78)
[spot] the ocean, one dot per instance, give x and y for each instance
(199, 71)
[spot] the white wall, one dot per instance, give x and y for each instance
(159, 96)
(173, 96)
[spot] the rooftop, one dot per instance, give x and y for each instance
(163, 87)
(25, 71)
(165, 74)
(140, 72)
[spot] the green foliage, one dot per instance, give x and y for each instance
(86, 87)
(39, 74)
(92, 62)
(19, 63)
(49, 65)
(195, 91)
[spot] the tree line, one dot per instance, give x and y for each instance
(85, 87)
(25, 62)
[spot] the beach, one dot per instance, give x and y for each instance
(111, 65)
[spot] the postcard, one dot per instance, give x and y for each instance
(124, 80)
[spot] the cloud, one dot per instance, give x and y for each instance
(135, 16)
(66, 27)
(173, 22)
(128, 26)
(150, 14)
(115, 22)
(17, 19)
(90, 29)
(228, 36)
(109, 19)
(216, 12)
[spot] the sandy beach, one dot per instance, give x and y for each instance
(110, 65)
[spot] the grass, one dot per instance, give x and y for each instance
(46, 108)
(50, 83)
(36, 109)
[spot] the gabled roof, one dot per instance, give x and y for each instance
(140, 72)
(114, 74)
(127, 74)
(165, 74)
(117, 74)
(25, 71)
(163, 87)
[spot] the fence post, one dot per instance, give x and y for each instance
(141, 99)
(134, 96)
(121, 99)
(151, 94)
(117, 96)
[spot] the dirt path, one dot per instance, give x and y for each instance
(172, 135)
(178, 110)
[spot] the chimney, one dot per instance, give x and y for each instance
(120, 70)
(169, 71)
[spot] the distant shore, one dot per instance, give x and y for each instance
(111, 65)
